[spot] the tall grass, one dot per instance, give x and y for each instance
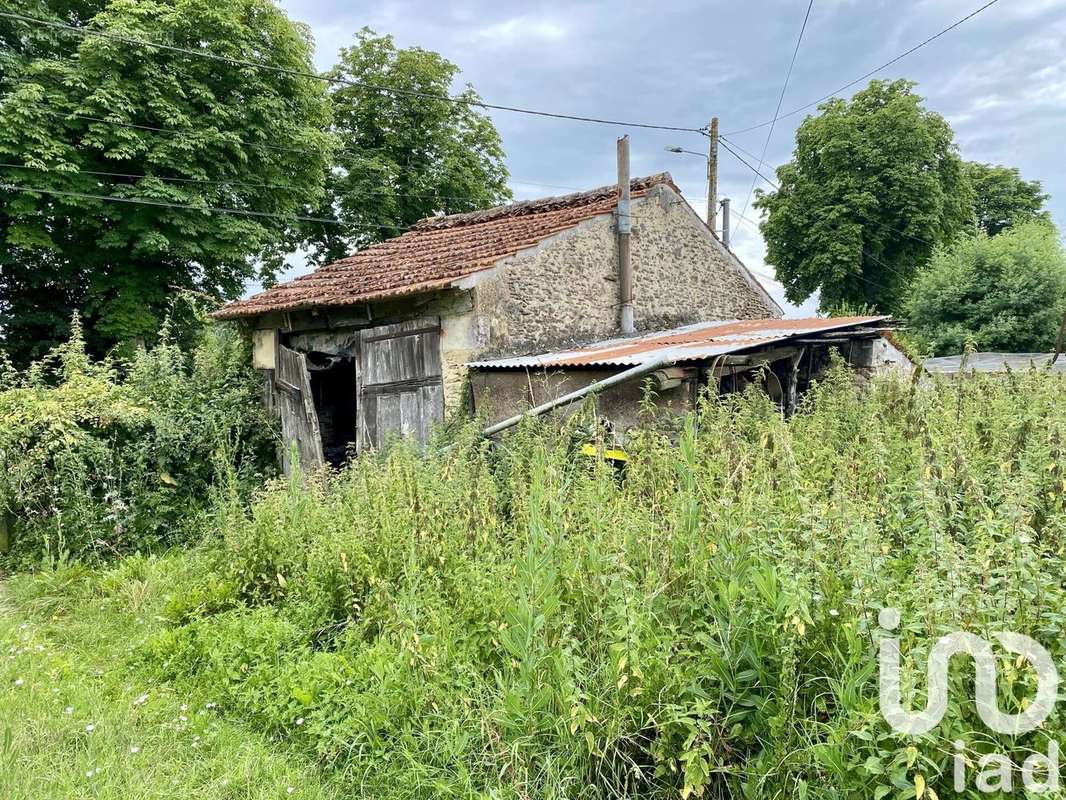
(519, 621)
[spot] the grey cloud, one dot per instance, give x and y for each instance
(1000, 78)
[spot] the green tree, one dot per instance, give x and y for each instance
(76, 116)
(404, 154)
(1002, 198)
(1006, 291)
(873, 185)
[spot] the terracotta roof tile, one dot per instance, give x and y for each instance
(437, 251)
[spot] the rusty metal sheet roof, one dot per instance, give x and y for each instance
(437, 251)
(696, 342)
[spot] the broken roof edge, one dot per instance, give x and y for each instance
(251, 307)
(720, 337)
(539, 205)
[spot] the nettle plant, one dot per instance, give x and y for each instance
(99, 459)
(517, 620)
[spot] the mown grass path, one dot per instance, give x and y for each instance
(78, 721)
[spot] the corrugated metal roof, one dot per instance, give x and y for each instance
(993, 362)
(691, 343)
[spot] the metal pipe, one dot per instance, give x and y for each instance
(725, 221)
(624, 225)
(592, 388)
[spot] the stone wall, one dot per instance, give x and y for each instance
(499, 394)
(561, 292)
(565, 290)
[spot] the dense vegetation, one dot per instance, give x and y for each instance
(521, 621)
(76, 723)
(875, 192)
(404, 152)
(874, 184)
(99, 459)
(1005, 293)
(99, 112)
(102, 115)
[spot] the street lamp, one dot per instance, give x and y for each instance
(711, 192)
(675, 149)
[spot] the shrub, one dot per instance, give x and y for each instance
(99, 459)
(1007, 292)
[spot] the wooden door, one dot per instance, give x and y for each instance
(299, 421)
(401, 392)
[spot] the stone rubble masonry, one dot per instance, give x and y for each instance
(564, 291)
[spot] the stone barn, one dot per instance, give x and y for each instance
(379, 343)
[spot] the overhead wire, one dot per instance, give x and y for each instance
(869, 74)
(780, 100)
(335, 80)
(866, 252)
(726, 145)
(236, 183)
(143, 201)
(177, 131)
(773, 278)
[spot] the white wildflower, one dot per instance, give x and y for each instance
(18, 681)
(68, 710)
(300, 721)
(135, 749)
(833, 612)
(90, 728)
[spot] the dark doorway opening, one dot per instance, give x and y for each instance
(334, 393)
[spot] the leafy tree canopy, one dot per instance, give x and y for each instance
(404, 154)
(1007, 291)
(73, 107)
(1002, 198)
(874, 184)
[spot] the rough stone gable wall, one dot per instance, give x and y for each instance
(565, 291)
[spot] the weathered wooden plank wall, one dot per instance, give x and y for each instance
(401, 390)
(299, 421)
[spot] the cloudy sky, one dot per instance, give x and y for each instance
(999, 79)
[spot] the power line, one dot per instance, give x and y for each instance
(185, 206)
(880, 286)
(853, 210)
(725, 143)
(245, 184)
(868, 219)
(176, 131)
(335, 80)
(869, 74)
(780, 100)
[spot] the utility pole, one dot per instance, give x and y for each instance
(712, 177)
(624, 226)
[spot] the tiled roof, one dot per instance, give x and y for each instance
(437, 251)
(696, 342)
